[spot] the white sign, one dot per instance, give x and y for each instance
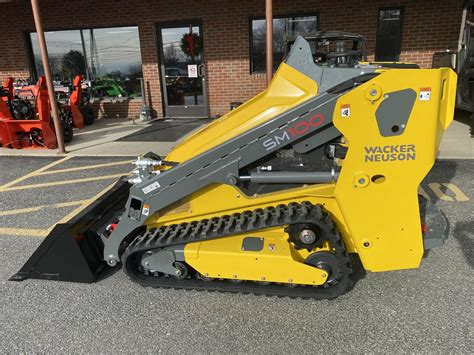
(425, 94)
(192, 71)
(151, 187)
(346, 110)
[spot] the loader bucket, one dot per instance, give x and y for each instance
(73, 251)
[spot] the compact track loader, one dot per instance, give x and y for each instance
(275, 196)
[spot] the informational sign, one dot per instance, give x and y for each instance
(345, 110)
(151, 187)
(192, 71)
(425, 94)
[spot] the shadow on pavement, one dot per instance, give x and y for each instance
(464, 234)
(108, 272)
(465, 118)
(448, 172)
(164, 131)
(358, 269)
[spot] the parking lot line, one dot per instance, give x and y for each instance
(38, 208)
(33, 173)
(58, 183)
(458, 194)
(422, 192)
(83, 168)
(83, 206)
(436, 188)
(24, 232)
(27, 232)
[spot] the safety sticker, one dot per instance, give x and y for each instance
(345, 110)
(146, 210)
(151, 187)
(425, 94)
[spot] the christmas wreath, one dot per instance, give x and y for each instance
(191, 44)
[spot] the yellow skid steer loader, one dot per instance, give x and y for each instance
(274, 197)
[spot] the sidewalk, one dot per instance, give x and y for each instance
(103, 138)
(457, 142)
(100, 139)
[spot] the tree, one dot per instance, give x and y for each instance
(132, 84)
(172, 54)
(73, 64)
(115, 74)
(135, 70)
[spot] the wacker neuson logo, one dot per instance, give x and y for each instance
(390, 153)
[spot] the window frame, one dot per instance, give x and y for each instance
(30, 56)
(253, 18)
(29, 45)
(402, 17)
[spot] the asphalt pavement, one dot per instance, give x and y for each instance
(424, 310)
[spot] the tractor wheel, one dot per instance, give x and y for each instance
(36, 137)
(88, 115)
(67, 132)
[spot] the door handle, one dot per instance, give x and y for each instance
(201, 70)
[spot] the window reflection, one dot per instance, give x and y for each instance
(109, 58)
(282, 27)
(66, 57)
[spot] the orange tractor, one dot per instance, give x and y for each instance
(25, 124)
(74, 108)
(78, 112)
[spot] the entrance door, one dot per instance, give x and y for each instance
(182, 70)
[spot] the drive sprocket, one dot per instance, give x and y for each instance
(307, 236)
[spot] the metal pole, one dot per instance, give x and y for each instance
(269, 38)
(461, 33)
(88, 77)
(93, 54)
(47, 72)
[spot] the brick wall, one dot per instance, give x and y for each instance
(116, 108)
(428, 26)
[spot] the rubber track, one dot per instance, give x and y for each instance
(229, 225)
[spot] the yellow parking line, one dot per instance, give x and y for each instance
(83, 206)
(33, 173)
(58, 183)
(422, 192)
(24, 232)
(84, 167)
(436, 188)
(38, 208)
(458, 194)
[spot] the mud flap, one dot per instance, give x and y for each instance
(73, 251)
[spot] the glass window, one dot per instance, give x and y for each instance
(65, 53)
(109, 58)
(282, 27)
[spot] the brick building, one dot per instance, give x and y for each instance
(230, 34)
